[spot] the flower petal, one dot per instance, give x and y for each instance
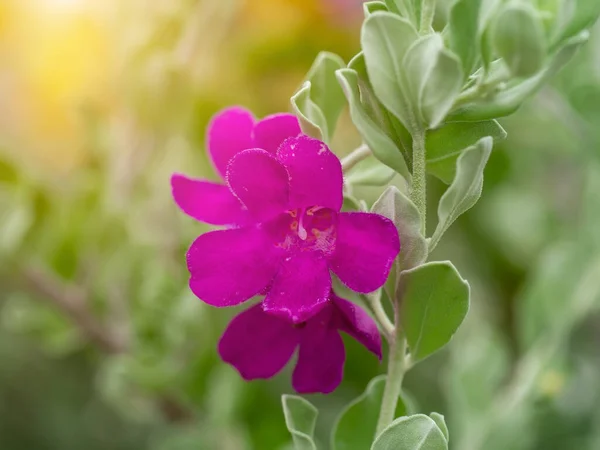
(260, 182)
(300, 288)
(258, 345)
(358, 324)
(320, 366)
(208, 202)
(365, 250)
(315, 173)
(271, 131)
(228, 267)
(229, 132)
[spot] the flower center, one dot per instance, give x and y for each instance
(305, 229)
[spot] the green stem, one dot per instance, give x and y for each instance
(427, 14)
(356, 156)
(382, 318)
(397, 366)
(418, 192)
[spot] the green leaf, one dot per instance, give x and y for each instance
(355, 427)
(370, 7)
(325, 91)
(312, 120)
(406, 8)
(370, 172)
(434, 301)
(518, 38)
(444, 145)
(466, 188)
(581, 13)
(300, 420)
(508, 101)
(383, 148)
(441, 423)
(417, 432)
(385, 39)
(464, 33)
(487, 12)
(397, 207)
(433, 78)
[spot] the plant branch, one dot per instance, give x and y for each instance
(356, 156)
(427, 14)
(397, 367)
(418, 192)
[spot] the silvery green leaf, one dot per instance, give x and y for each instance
(300, 420)
(464, 33)
(466, 188)
(312, 120)
(580, 14)
(325, 91)
(434, 78)
(508, 101)
(357, 63)
(518, 38)
(417, 432)
(397, 207)
(370, 7)
(385, 39)
(441, 423)
(356, 425)
(488, 10)
(381, 145)
(406, 8)
(370, 172)
(434, 300)
(444, 145)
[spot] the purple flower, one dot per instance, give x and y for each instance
(259, 344)
(290, 232)
(229, 132)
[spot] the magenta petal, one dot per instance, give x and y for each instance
(365, 250)
(258, 345)
(228, 267)
(301, 287)
(320, 366)
(315, 173)
(358, 324)
(229, 132)
(208, 202)
(271, 131)
(260, 182)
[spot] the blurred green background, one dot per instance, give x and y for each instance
(101, 344)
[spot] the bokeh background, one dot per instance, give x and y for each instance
(101, 344)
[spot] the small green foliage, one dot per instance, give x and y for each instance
(466, 188)
(434, 301)
(417, 432)
(300, 420)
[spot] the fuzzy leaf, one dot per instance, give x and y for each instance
(434, 301)
(300, 420)
(397, 207)
(417, 432)
(381, 145)
(325, 92)
(464, 33)
(441, 423)
(518, 38)
(508, 101)
(444, 145)
(433, 78)
(385, 39)
(312, 120)
(466, 188)
(370, 172)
